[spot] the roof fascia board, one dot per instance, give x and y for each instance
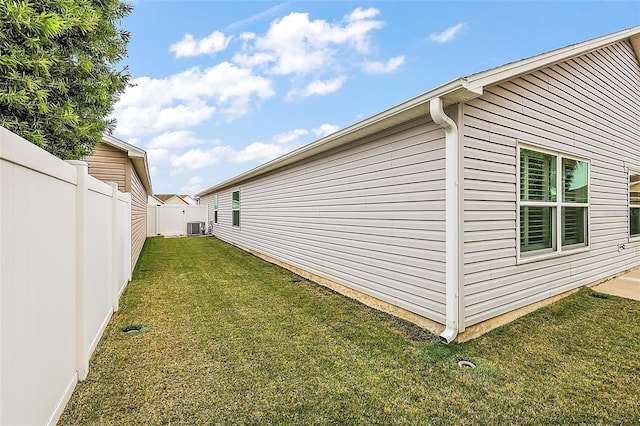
(635, 42)
(142, 169)
(132, 151)
(453, 92)
(138, 158)
(528, 65)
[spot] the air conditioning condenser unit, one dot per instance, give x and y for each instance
(195, 228)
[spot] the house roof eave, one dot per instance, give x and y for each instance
(456, 91)
(525, 66)
(635, 42)
(453, 92)
(138, 159)
(142, 168)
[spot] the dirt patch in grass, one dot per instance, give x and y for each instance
(231, 339)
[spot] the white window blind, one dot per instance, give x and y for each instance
(548, 222)
(537, 188)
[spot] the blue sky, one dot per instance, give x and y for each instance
(223, 86)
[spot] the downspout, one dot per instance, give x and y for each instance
(451, 219)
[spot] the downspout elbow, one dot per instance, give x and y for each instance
(449, 335)
(451, 227)
(440, 118)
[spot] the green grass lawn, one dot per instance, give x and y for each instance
(230, 339)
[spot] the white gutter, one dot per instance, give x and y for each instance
(451, 221)
(453, 92)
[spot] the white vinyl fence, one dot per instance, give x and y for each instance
(64, 261)
(170, 219)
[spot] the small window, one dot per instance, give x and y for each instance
(634, 204)
(553, 202)
(215, 208)
(235, 207)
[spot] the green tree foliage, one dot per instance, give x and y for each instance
(58, 71)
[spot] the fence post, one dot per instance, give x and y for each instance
(127, 230)
(115, 240)
(82, 357)
(157, 212)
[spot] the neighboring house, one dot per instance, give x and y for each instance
(466, 206)
(116, 161)
(189, 200)
(155, 201)
(176, 199)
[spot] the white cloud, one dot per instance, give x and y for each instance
(138, 93)
(318, 87)
(325, 129)
(188, 98)
(134, 141)
(157, 156)
(198, 158)
(289, 137)
(175, 139)
(193, 185)
(188, 46)
(383, 67)
(183, 115)
(358, 33)
(254, 59)
(147, 120)
(247, 36)
(360, 14)
(195, 159)
(260, 151)
(296, 45)
(446, 35)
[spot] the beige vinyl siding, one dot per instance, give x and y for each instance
(109, 165)
(587, 107)
(369, 215)
(138, 216)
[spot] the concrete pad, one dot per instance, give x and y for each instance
(627, 285)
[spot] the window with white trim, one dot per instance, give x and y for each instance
(634, 204)
(235, 208)
(553, 203)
